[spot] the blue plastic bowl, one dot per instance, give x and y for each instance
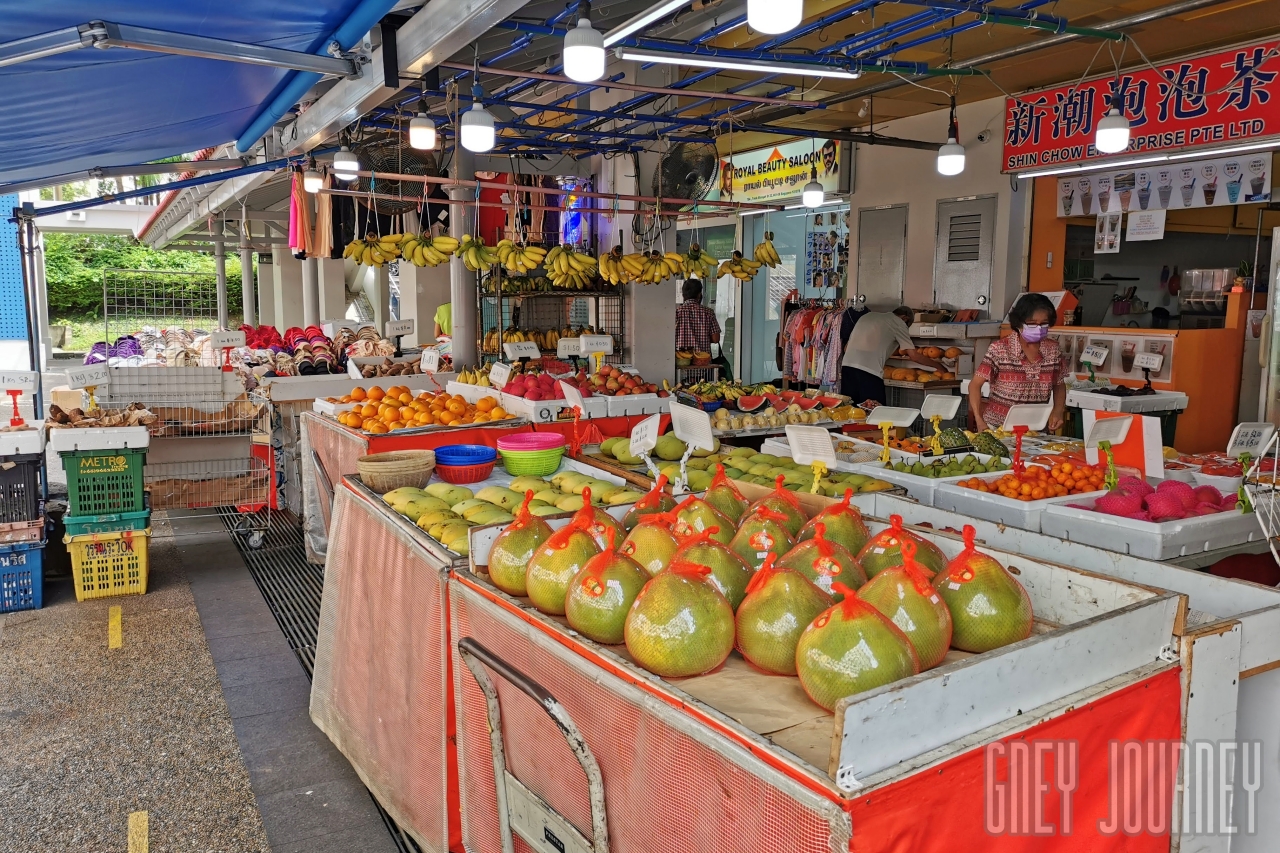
(465, 454)
(712, 406)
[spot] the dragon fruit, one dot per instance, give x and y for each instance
(905, 596)
(843, 524)
(883, 550)
(729, 573)
(781, 500)
(655, 500)
(558, 561)
(780, 604)
(851, 647)
(511, 552)
(762, 533)
(989, 608)
(694, 515)
(824, 563)
(724, 496)
(651, 543)
(680, 624)
(601, 595)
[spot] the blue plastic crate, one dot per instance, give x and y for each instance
(21, 576)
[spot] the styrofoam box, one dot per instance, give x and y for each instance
(920, 488)
(321, 406)
(1025, 515)
(634, 404)
(1161, 401)
(1147, 539)
(471, 393)
(100, 438)
(15, 442)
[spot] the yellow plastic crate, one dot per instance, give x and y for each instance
(107, 564)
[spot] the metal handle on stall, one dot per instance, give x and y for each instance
(477, 658)
(322, 475)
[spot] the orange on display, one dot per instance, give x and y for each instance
(397, 408)
(1037, 483)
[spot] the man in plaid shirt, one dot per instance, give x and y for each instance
(696, 325)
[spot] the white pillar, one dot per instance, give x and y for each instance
(377, 287)
(310, 292)
(220, 269)
(462, 281)
(266, 292)
(42, 306)
(248, 299)
(422, 291)
(288, 288)
(331, 286)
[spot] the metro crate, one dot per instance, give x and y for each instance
(105, 482)
(81, 525)
(109, 564)
(20, 487)
(21, 576)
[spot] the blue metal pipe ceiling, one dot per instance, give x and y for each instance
(90, 108)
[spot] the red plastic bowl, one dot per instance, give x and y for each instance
(460, 475)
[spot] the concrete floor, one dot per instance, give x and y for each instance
(199, 719)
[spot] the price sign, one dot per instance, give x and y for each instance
(1148, 361)
(24, 380)
(1033, 416)
(353, 369)
(227, 340)
(1250, 438)
(590, 344)
(1111, 430)
(811, 444)
(692, 426)
(430, 362)
(522, 349)
(644, 435)
(398, 328)
(569, 348)
(1095, 355)
(925, 331)
(500, 375)
(89, 376)
(573, 397)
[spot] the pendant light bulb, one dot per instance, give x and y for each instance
(312, 180)
(951, 158)
(478, 131)
(345, 164)
(422, 132)
(774, 16)
(1113, 133)
(584, 52)
(814, 195)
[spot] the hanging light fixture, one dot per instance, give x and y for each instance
(422, 130)
(814, 195)
(774, 16)
(477, 133)
(584, 50)
(345, 164)
(951, 155)
(312, 180)
(1113, 133)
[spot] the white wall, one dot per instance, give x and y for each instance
(886, 175)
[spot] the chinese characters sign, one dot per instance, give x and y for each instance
(1168, 186)
(1224, 98)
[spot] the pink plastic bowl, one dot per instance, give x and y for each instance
(527, 441)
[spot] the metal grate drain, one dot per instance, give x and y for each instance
(292, 588)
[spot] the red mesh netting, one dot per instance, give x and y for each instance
(381, 685)
(670, 783)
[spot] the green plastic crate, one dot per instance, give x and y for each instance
(104, 482)
(81, 525)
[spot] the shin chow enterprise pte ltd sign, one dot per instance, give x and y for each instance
(1222, 100)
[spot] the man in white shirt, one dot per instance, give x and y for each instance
(875, 335)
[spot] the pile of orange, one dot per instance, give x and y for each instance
(378, 411)
(1036, 483)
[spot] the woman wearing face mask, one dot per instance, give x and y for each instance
(1025, 367)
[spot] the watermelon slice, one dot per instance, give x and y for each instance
(806, 404)
(829, 402)
(751, 403)
(791, 396)
(777, 402)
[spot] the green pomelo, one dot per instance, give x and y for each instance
(843, 524)
(761, 534)
(885, 550)
(601, 595)
(725, 497)
(597, 522)
(554, 566)
(515, 546)
(779, 605)
(729, 573)
(679, 625)
(825, 563)
(695, 516)
(905, 597)
(651, 545)
(851, 648)
(654, 501)
(989, 607)
(781, 500)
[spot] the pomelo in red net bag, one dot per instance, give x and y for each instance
(729, 573)
(885, 549)
(844, 525)
(694, 515)
(780, 604)
(601, 595)
(989, 608)
(600, 522)
(724, 496)
(906, 597)
(680, 625)
(651, 543)
(511, 552)
(558, 560)
(824, 563)
(783, 501)
(654, 500)
(851, 647)
(763, 532)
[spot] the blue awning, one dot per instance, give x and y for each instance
(90, 107)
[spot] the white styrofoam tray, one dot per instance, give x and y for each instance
(99, 438)
(1025, 515)
(920, 488)
(1163, 541)
(1161, 401)
(321, 406)
(23, 441)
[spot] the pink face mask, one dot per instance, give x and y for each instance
(1034, 334)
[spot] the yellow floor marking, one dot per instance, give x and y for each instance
(114, 641)
(137, 828)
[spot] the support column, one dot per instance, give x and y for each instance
(220, 269)
(310, 292)
(422, 291)
(332, 288)
(42, 306)
(376, 284)
(266, 292)
(288, 288)
(248, 297)
(462, 281)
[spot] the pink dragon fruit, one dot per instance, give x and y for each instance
(1208, 495)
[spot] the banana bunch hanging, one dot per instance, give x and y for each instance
(519, 259)
(659, 267)
(765, 253)
(423, 250)
(697, 263)
(476, 256)
(743, 269)
(570, 269)
(374, 251)
(615, 269)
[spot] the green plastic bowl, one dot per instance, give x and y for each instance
(531, 454)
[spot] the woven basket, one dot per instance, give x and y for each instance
(384, 472)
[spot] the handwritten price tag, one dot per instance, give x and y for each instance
(596, 343)
(1148, 361)
(90, 376)
(522, 349)
(24, 380)
(1250, 438)
(926, 331)
(569, 347)
(500, 374)
(227, 340)
(398, 328)
(430, 362)
(644, 435)
(1095, 355)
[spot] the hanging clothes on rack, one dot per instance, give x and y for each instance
(810, 339)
